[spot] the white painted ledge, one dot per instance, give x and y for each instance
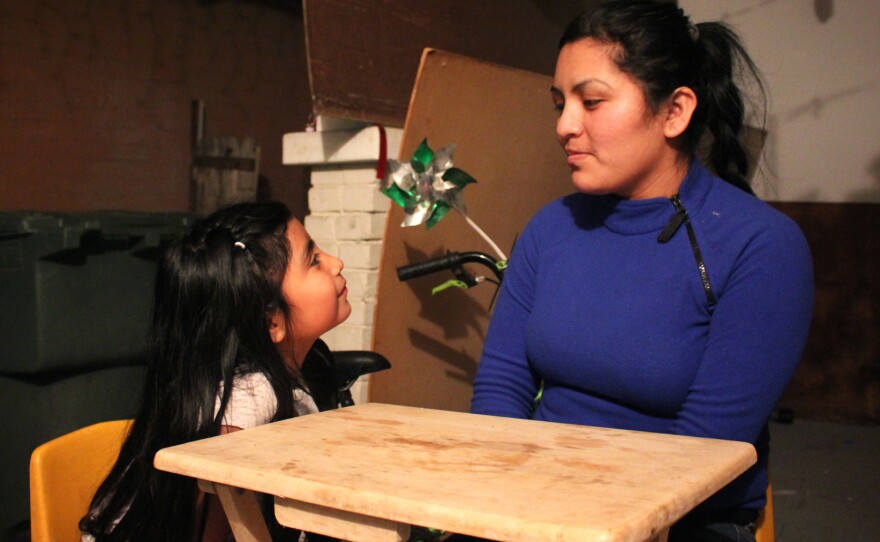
(338, 147)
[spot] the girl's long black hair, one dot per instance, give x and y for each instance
(214, 288)
(663, 50)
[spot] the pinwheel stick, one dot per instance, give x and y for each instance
(485, 237)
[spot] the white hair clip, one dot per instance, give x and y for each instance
(240, 245)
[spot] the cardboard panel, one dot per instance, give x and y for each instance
(502, 121)
(363, 55)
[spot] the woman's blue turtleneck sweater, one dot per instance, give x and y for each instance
(619, 327)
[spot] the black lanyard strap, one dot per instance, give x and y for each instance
(681, 217)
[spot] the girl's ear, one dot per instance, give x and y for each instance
(277, 325)
(679, 110)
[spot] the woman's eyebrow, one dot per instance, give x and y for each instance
(579, 86)
(587, 82)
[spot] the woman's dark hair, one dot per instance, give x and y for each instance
(663, 50)
(215, 286)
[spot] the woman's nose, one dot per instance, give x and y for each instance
(567, 125)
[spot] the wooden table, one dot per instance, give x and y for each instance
(367, 472)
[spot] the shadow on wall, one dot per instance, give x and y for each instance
(873, 193)
(824, 10)
(459, 365)
(452, 301)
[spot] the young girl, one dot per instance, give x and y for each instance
(240, 302)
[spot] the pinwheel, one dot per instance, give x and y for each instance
(428, 186)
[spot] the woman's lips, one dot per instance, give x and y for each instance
(573, 157)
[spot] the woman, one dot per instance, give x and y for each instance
(659, 297)
(240, 303)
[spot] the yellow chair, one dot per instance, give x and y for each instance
(65, 473)
(765, 529)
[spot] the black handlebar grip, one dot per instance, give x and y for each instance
(418, 269)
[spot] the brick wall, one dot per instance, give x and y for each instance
(348, 219)
(347, 215)
(95, 98)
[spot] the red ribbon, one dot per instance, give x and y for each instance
(382, 163)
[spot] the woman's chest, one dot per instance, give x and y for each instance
(625, 314)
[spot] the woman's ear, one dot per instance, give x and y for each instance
(679, 110)
(277, 325)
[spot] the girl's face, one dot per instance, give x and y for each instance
(314, 289)
(612, 140)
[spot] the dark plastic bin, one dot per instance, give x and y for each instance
(75, 300)
(77, 288)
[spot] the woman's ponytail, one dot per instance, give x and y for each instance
(721, 108)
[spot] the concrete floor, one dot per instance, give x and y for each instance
(826, 481)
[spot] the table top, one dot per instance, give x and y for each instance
(493, 477)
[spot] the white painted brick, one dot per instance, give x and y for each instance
(329, 247)
(349, 337)
(363, 255)
(327, 175)
(361, 313)
(321, 227)
(363, 174)
(337, 146)
(359, 226)
(324, 199)
(360, 175)
(352, 176)
(361, 283)
(366, 198)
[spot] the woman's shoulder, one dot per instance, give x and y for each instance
(561, 213)
(547, 226)
(750, 212)
(741, 224)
